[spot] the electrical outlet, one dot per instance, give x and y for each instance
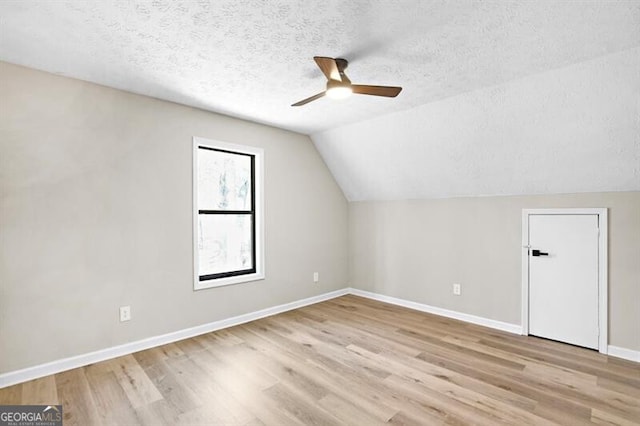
(456, 289)
(316, 277)
(125, 313)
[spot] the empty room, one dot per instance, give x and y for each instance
(285, 212)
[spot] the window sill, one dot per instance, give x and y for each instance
(221, 282)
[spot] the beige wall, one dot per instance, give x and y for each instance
(416, 250)
(95, 213)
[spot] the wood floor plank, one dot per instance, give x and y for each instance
(620, 388)
(77, 399)
(336, 377)
(346, 412)
(40, 392)
(555, 405)
(134, 381)
(594, 368)
(13, 395)
(112, 404)
(606, 418)
(371, 334)
(348, 361)
(395, 395)
(246, 385)
(179, 396)
(216, 402)
(306, 412)
(238, 357)
(416, 370)
(158, 413)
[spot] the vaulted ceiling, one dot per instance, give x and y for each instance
(252, 59)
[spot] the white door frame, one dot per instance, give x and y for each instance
(603, 283)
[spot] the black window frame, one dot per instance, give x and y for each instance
(251, 212)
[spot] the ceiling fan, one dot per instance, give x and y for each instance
(339, 86)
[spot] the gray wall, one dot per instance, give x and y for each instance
(95, 213)
(416, 250)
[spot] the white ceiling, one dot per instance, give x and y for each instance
(252, 59)
(575, 129)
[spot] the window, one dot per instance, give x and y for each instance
(228, 217)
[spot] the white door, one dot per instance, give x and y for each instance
(563, 278)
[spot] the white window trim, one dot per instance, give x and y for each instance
(259, 216)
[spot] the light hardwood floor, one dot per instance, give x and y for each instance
(347, 361)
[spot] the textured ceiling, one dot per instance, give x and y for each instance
(500, 97)
(575, 129)
(252, 59)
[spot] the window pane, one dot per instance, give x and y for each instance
(224, 180)
(224, 243)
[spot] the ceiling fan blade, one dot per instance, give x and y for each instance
(388, 91)
(309, 99)
(329, 67)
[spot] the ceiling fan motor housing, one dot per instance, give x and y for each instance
(341, 64)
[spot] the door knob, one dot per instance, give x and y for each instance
(538, 253)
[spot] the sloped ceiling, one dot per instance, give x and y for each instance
(576, 129)
(252, 59)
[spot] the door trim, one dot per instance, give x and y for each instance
(603, 283)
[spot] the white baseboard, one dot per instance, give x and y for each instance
(498, 325)
(42, 370)
(614, 351)
(624, 353)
